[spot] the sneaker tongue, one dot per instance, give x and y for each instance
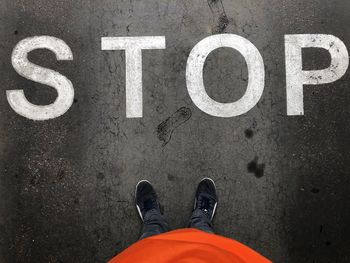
(204, 203)
(149, 204)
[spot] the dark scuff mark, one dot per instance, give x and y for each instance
(256, 168)
(248, 133)
(61, 174)
(222, 24)
(171, 177)
(167, 127)
(315, 190)
(219, 16)
(100, 176)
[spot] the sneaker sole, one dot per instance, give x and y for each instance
(207, 178)
(137, 207)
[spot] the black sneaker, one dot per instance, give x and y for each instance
(146, 198)
(206, 198)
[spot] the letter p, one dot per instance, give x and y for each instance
(296, 77)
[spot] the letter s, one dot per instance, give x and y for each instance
(26, 69)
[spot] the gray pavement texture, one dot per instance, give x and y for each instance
(67, 185)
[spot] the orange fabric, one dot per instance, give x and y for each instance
(188, 245)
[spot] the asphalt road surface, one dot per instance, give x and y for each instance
(67, 184)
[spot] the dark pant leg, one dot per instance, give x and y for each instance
(154, 224)
(201, 221)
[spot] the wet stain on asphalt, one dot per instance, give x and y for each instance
(248, 133)
(256, 168)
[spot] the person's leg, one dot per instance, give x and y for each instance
(204, 206)
(148, 207)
